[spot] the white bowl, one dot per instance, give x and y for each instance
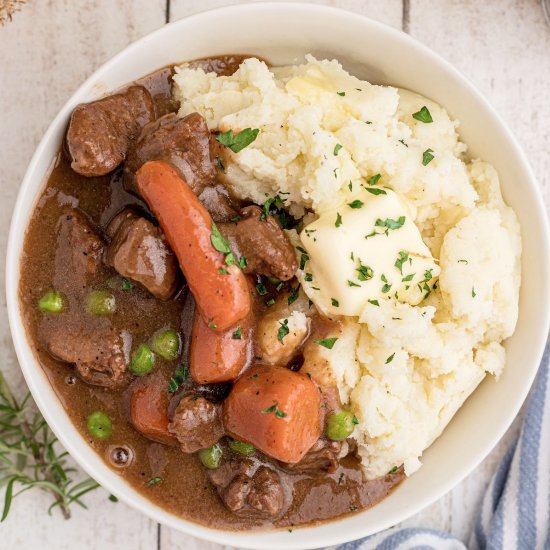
(283, 33)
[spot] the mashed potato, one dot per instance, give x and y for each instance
(403, 366)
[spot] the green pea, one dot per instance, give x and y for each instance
(99, 425)
(241, 447)
(167, 344)
(51, 302)
(211, 457)
(340, 425)
(143, 360)
(101, 302)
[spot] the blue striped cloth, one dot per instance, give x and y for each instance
(515, 512)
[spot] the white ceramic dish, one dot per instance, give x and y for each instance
(282, 33)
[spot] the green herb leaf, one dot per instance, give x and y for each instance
(423, 115)
(376, 191)
(337, 148)
(274, 408)
(338, 221)
(427, 157)
(237, 334)
(127, 284)
(351, 283)
(473, 293)
(463, 262)
(364, 272)
(390, 358)
(178, 378)
(335, 302)
(342, 94)
(154, 481)
(283, 330)
(219, 242)
(327, 342)
(374, 303)
(261, 289)
(388, 223)
(407, 278)
(292, 297)
(393, 470)
(308, 277)
(356, 204)
(238, 142)
(374, 179)
(402, 258)
(220, 164)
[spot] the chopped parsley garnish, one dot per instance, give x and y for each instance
(337, 148)
(393, 470)
(364, 272)
(274, 408)
(408, 278)
(270, 302)
(388, 223)
(374, 303)
(261, 289)
(253, 376)
(127, 284)
(237, 334)
(351, 283)
(154, 481)
(356, 204)
(112, 498)
(276, 201)
(235, 219)
(376, 191)
(219, 242)
(427, 157)
(342, 94)
(283, 330)
(354, 420)
(473, 293)
(178, 378)
(352, 508)
(390, 358)
(335, 302)
(403, 257)
(387, 287)
(463, 262)
(304, 257)
(350, 185)
(327, 342)
(292, 297)
(220, 164)
(338, 221)
(423, 285)
(238, 142)
(423, 115)
(308, 277)
(212, 326)
(374, 179)
(403, 142)
(224, 271)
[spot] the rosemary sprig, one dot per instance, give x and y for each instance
(30, 457)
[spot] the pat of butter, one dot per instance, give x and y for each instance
(371, 250)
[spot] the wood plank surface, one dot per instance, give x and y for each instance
(51, 46)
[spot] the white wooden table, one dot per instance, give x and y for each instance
(48, 49)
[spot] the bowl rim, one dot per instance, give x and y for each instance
(82, 452)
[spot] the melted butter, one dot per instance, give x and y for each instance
(375, 253)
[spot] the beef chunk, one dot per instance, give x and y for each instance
(79, 250)
(196, 423)
(139, 251)
(263, 243)
(222, 65)
(100, 132)
(322, 457)
(246, 492)
(182, 142)
(98, 353)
